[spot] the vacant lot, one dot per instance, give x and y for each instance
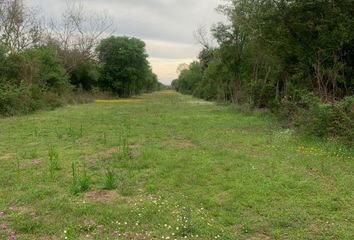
(168, 166)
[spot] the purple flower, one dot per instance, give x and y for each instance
(4, 226)
(88, 222)
(36, 162)
(1, 212)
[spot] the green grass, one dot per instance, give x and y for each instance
(177, 168)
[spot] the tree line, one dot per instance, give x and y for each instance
(45, 63)
(293, 57)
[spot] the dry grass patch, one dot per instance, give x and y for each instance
(107, 196)
(101, 196)
(106, 153)
(5, 157)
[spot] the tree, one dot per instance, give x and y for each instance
(124, 66)
(19, 26)
(76, 36)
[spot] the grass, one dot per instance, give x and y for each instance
(169, 166)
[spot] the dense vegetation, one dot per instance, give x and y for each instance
(45, 65)
(293, 57)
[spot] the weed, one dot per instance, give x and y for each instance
(84, 180)
(33, 154)
(110, 179)
(124, 144)
(81, 131)
(53, 160)
(73, 186)
(104, 140)
(79, 183)
(18, 169)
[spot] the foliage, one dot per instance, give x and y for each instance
(31, 80)
(85, 76)
(44, 71)
(314, 117)
(124, 66)
(272, 52)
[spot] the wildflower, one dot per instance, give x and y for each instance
(36, 162)
(12, 236)
(4, 226)
(87, 222)
(1, 212)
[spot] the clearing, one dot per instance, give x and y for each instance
(180, 168)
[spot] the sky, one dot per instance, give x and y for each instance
(166, 26)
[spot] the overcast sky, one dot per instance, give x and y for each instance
(166, 26)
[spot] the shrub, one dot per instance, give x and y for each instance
(31, 81)
(110, 179)
(45, 68)
(326, 120)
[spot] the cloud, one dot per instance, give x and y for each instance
(166, 26)
(171, 50)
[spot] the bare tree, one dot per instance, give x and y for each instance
(19, 26)
(202, 37)
(79, 31)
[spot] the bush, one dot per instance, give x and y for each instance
(326, 120)
(44, 68)
(31, 81)
(25, 98)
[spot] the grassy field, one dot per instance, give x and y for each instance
(168, 166)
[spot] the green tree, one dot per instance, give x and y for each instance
(124, 66)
